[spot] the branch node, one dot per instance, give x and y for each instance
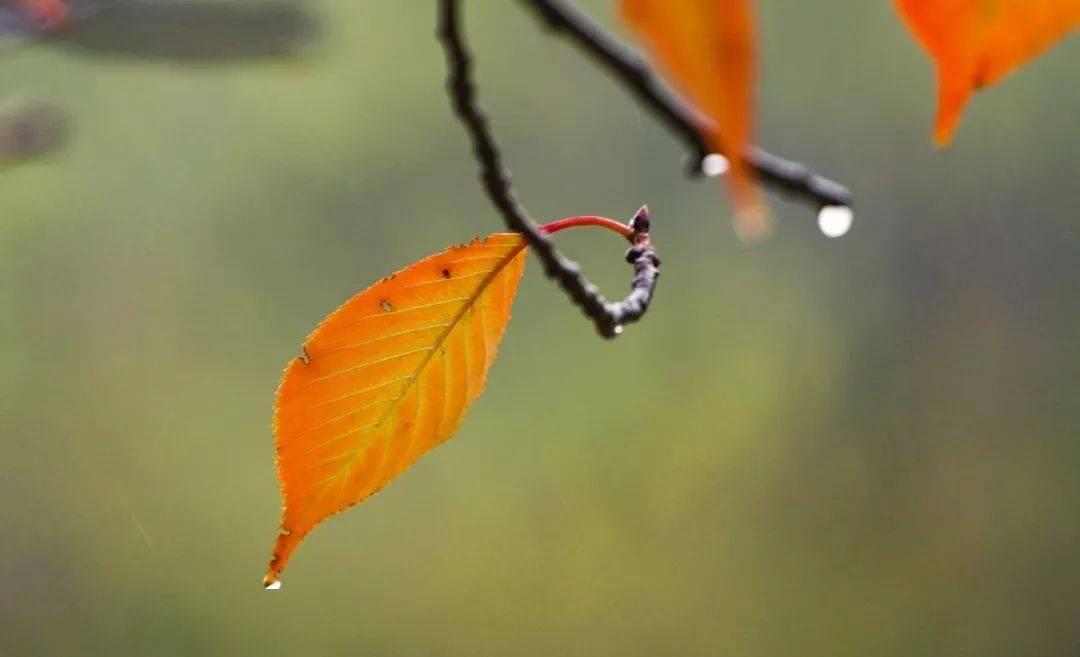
(608, 318)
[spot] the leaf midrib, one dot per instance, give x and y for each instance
(472, 299)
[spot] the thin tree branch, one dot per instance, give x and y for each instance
(608, 317)
(631, 69)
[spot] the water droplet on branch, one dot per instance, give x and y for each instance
(835, 220)
(714, 165)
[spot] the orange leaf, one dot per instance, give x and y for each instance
(708, 48)
(386, 377)
(977, 42)
(46, 14)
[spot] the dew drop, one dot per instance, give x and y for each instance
(618, 329)
(835, 220)
(714, 165)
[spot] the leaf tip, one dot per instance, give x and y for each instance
(954, 90)
(271, 582)
(753, 223)
(943, 134)
(948, 119)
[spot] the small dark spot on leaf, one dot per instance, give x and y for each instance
(386, 305)
(305, 358)
(446, 273)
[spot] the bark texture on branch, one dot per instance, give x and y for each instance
(609, 317)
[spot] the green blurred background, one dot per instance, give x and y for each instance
(863, 446)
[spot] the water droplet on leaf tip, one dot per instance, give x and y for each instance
(618, 330)
(835, 220)
(273, 586)
(714, 164)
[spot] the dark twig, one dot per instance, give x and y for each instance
(609, 317)
(630, 67)
(183, 31)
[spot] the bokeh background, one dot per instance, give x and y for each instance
(863, 446)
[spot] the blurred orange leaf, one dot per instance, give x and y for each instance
(708, 48)
(46, 14)
(977, 42)
(385, 378)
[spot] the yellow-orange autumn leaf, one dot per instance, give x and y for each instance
(977, 42)
(708, 48)
(385, 378)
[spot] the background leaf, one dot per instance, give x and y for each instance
(386, 377)
(977, 42)
(191, 31)
(708, 48)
